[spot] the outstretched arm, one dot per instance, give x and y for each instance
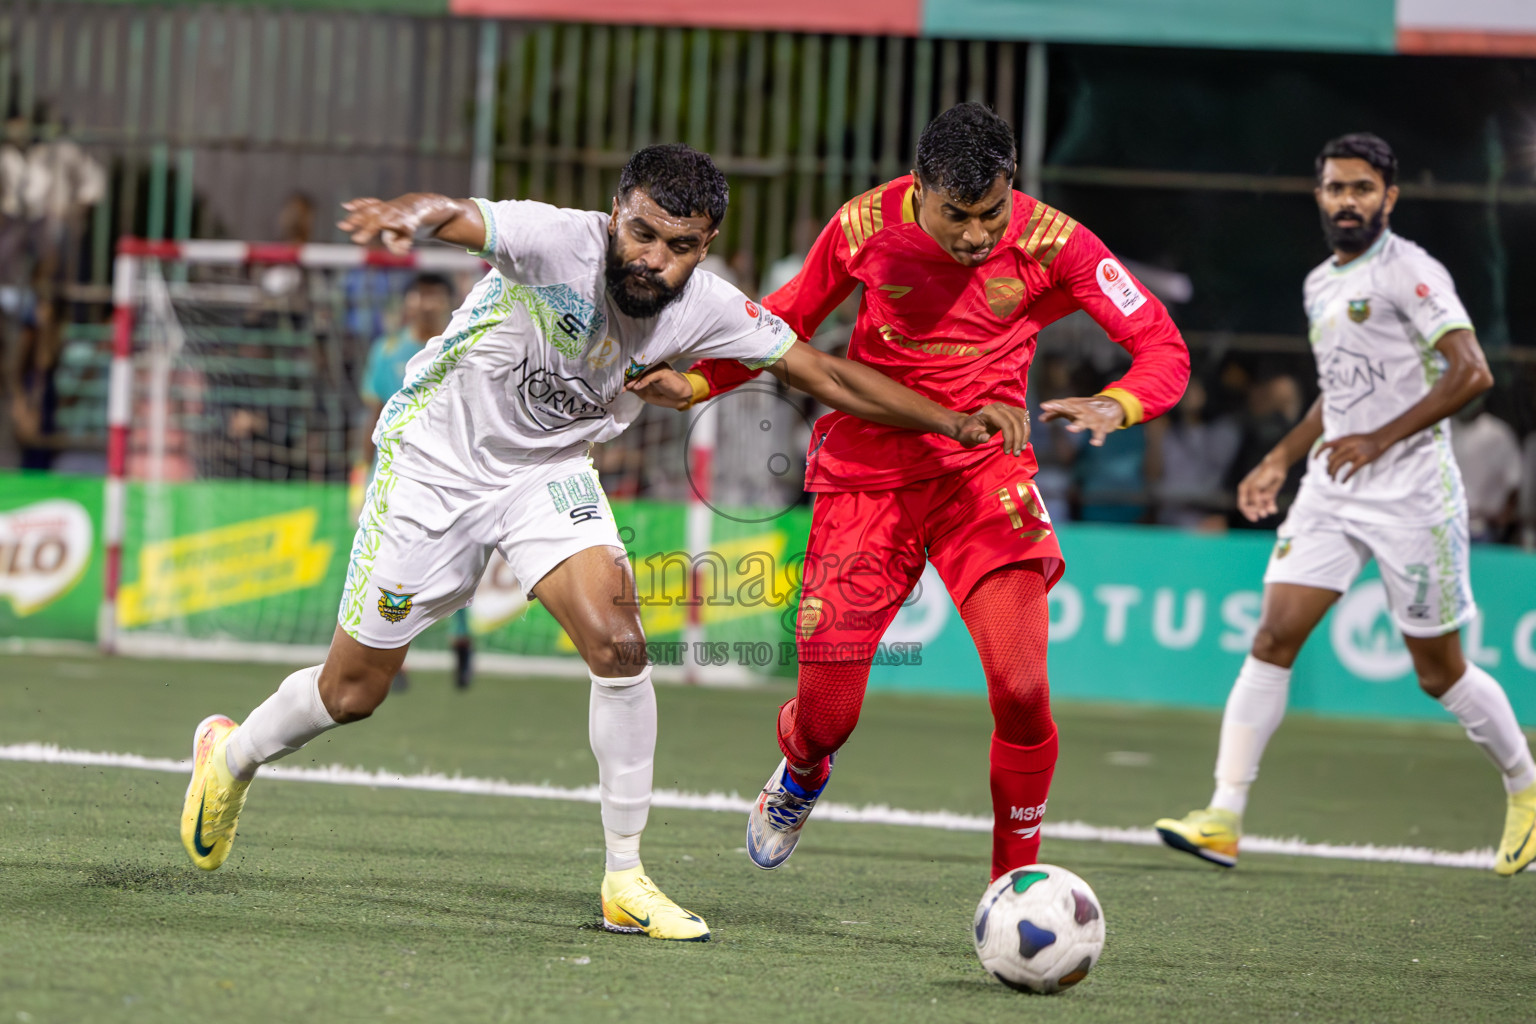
(867, 393)
(397, 223)
(1136, 321)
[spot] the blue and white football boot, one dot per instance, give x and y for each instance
(774, 824)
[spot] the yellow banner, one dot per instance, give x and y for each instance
(230, 565)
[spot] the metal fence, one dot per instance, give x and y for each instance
(208, 118)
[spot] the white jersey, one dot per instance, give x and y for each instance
(532, 366)
(1374, 325)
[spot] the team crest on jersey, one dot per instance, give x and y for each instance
(810, 617)
(1004, 295)
(1359, 310)
(394, 607)
(633, 370)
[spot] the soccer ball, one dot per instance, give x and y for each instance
(1039, 928)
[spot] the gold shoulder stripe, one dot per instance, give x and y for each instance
(908, 203)
(1045, 234)
(864, 215)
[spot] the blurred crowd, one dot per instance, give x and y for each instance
(48, 184)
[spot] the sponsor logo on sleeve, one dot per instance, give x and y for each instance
(1422, 291)
(1119, 287)
(753, 310)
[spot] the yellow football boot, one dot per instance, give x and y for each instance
(214, 796)
(1211, 834)
(1518, 847)
(632, 903)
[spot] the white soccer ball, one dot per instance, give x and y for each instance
(1039, 928)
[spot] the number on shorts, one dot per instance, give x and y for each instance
(1419, 571)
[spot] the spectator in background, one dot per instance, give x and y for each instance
(1527, 504)
(1055, 449)
(424, 314)
(1189, 460)
(1488, 452)
(1273, 407)
(35, 400)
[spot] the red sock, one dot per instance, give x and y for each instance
(809, 772)
(1021, 781)
(820, 719)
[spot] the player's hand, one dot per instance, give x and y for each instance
(661, 385)
(979, 426)
(1100, 414)
(393, 224)
(1258, 490)
(1356, 451)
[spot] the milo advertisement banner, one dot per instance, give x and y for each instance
(1144, 614)
(50, 556)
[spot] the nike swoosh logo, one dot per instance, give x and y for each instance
(1027, 833)
(197, 835)
(1519, 849)
(1207, 833)
(645, 923)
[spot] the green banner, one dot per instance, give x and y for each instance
(1146, 614)
(1357, 26)
(50, 556)
(1143, 614)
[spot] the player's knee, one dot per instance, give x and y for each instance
(1435, 677)
(1275, 647)
(354, 694)
(620, 653)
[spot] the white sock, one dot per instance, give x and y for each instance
(283, 723)
(621, 725)
(1481, 706)
(1254, 710)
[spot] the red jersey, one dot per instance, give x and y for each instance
(962, 336)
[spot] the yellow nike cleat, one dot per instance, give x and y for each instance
(1518, 847)
(214, 796)
(632, 903)
(1211, 834)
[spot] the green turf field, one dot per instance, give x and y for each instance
(349, 903)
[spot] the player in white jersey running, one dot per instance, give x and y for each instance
(1395, 356)
(485, 448)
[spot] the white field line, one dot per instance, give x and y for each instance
(870, 814)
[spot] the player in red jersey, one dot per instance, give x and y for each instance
(960, 272)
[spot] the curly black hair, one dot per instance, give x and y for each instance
(682, 181)
(1373, 149)
(964, 149)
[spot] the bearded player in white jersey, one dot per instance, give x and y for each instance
(485, 447)
(1395, 355)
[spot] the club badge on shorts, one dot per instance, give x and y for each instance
(394, 607)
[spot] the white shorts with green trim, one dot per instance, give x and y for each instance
(1424, 568)
(420, 549)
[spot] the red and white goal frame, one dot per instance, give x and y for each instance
(126, 280)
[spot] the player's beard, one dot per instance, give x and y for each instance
(1357, 238)
(640, 304)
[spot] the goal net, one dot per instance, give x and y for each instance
(237, 449)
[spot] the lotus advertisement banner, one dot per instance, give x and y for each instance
(1148, 614)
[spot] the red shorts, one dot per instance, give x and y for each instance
(867, 549)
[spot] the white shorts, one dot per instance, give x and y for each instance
(421, 549)
(1424, 568)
